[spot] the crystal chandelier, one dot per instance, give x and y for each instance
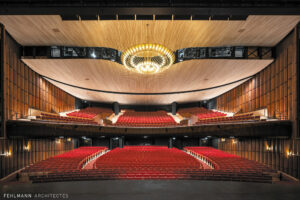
(147, 58)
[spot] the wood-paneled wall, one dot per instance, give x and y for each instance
(275, 157)
(2, 88)
(27, 89)
(273, 88)
(22, 88)
(38, 149)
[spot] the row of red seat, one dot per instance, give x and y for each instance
(194, 110)
(146, 125)
(131, 118)
(229, 163)
(57, 118)
(188, 112)
(145, 119)
(130, 162)
(90, 112)
(210, 115)
(238, 118)
(147, 159)
(71, 160)
(95, 174)
(200, 112)
(157, 162)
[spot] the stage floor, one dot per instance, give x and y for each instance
(133, 190)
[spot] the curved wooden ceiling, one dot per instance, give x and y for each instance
(145, 100)
(51, 30)
(107, 75)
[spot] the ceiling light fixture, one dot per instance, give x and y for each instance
(148, 58)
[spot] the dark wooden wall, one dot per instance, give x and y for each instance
(26, 89)
(39, 149)
(22, 88)
(2, 88)
(273, 88)
(276, 157)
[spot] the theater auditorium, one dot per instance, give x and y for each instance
(149, 99)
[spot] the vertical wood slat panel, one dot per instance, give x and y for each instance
(21, 157)
(276, 91)
(23, 88)
(28, 89)
(275, 158)
(272, 88)
(3, 83)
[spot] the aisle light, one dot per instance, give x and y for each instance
(6, 154)
(27, 147)
(269, 148)
(289, 153)
(234, 141)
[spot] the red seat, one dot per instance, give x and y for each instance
(150, 162)
(91, 112)
(145, 119)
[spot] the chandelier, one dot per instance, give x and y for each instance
(147, 58)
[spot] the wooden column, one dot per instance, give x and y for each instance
(297, 131)
(3, 82)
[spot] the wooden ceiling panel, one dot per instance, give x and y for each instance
(105, 75)
(51, 30)
(111, 76)
(145, 100)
